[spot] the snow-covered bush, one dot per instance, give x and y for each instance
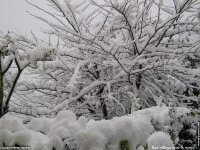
(65, 131)
(159, 139)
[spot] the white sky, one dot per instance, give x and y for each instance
(13, 17)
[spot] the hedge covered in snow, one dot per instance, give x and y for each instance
(141, 130)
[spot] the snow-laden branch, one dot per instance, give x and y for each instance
(82, 93)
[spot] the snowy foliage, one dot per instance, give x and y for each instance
(66, 131)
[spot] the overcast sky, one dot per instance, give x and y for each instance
(13, 16)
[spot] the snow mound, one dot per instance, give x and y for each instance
(161, 113)
(98, 134)
(66, 130)
(12, 124)
(40, 124)
(63, 125)
(160, 140)
(25, 138)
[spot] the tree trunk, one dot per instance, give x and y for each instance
(103, 104)
(138, 79)
(1, 89)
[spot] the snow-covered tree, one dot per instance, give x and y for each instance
(17, 52)
(120, 56)
(8, 55)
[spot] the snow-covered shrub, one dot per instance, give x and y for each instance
(187, 136)
(66, 131)
(159, 139)
(14, 133)
(110, 133)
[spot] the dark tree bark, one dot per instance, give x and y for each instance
(102, 101)
(5, 109)
(1, 89)
(138, 79)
